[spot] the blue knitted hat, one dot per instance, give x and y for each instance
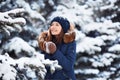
(63, 22)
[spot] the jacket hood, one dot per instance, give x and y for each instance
(70, 35)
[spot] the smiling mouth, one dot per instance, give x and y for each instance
(54, 30)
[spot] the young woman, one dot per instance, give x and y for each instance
(58, 43)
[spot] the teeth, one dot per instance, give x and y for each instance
(54, 30)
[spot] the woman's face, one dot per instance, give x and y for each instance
(55, 28)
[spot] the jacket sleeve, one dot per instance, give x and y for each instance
(67, 60)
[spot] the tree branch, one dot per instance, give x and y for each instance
(7, 19)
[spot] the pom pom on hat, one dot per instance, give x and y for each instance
(63, 22)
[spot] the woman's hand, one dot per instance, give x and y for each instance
(50, 47)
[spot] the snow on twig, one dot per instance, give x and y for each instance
(32, 13)
(7, 19)
(36, 63)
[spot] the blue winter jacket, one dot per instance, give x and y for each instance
(66, 55)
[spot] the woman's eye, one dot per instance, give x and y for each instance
(57, 24)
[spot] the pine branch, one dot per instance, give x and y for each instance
(7, 19)
(32, 13)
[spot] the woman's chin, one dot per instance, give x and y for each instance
(54, 33)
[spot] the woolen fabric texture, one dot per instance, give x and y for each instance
(63, 22)
(66, 55)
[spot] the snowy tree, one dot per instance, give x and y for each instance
(99, 48)
(18, 59)
(97, 27)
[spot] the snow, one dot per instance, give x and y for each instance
(103, 60)
(83, 15)
(97, 78)
(17, 44)
(87, 71)
(79, 35)
(33, 43)
(51, 2)
(110, 6)
(53, 65)
(101, 4)
(115, 48)
(15, 11)
(33, 14)
(30, 73)
(4, 3)
(101, 51)
(6, 70)
(31, 64)
(35, 63)
(90, 45)
(105, 74)
(108, 37)
(35, 6)
(6, 18)
(104, 27)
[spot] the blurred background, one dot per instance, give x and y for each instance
(97, 27)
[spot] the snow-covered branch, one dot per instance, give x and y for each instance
(20, 47)
(103, 60)
(77, 14)
(34, 63)
(31, 68)
(106, 27)
(9, 22)
(89, 45)
(33, 14)
(115, 48)
(7, 19)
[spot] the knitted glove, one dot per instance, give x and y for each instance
(50, 47)
(45, 44)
